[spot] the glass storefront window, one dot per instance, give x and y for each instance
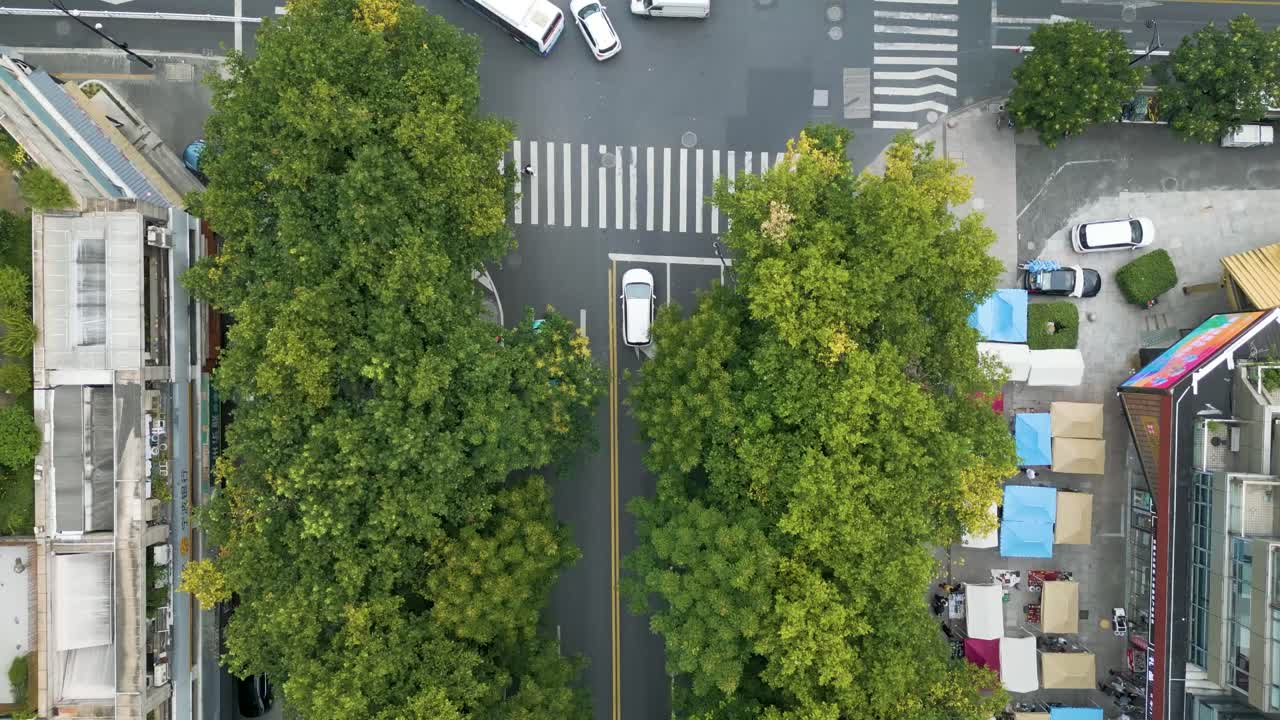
(1241, 606)
(1201, 508)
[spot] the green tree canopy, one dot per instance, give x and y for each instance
(1077, 75)
(814, 428)
(1220, 79)
(377, 523)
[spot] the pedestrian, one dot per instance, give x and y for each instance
(1031, 473)
(527, 170)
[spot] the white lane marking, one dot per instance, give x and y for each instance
(781, 157)
(666, 189)
(914, 74)
(934, 89)
(551, 183)
(668, 259)
(634, 171)
(715, 179)
(684, 189)
(920, 47)
(239, 27)
(896, 60)
(921, 2)
(895, 124)
(732, 174)
(617, 188)
(899, 15)
(280, 10)
(764, 163)
(515, 163)
(697, 189)
(582, 326)
(648, 193)
(533, 183)
(586, 185)
(568, 184)
(914, 30)
(746, 162)
(910, 107)
(604, 189)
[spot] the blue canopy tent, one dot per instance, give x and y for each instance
(1003, 317)
(1030, 504)
(1026, 539)
(1075, 713)
(1033, 439)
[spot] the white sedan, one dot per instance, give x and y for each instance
(594, 23)
(638, 306)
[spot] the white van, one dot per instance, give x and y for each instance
(672, 8)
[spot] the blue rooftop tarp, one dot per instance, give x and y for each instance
(1032, 438)
(1030, 504)
(1075, 713)
(1026, 539)
(1003, 317)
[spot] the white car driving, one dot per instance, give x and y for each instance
(638, 306)
(596, 28)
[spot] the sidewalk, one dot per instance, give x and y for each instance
(970, 137)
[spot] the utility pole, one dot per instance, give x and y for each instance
(1152, 45)
(96, 28)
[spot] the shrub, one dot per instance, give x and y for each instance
(1147, 277)
(1066, 325)
(43, 190)
(19, 437)
(15, 378)
(15, 287)
(15, 239)
(19, 675)
(19, 330)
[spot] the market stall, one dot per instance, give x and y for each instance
(1075, 713)
(1067, 671)
(1075, 420)
(1031, 439)
(1015, 358)
(1060, 607)
(1018, 664)
(1023, 539)
(1002, 317)
(983, 653)
(1030, 503)
(1031, 716)
(1074, 524)
(1079, 455)
(987, 540)
(984, 611)
(1056, 367)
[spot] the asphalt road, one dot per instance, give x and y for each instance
(692, 101)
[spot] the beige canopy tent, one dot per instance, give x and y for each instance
(1078, 455)
(1031, 716)
(1074, 525)
(1075, 420)
(1060, 607)
(1067, 671)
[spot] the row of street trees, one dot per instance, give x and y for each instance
(380, 529)
(1216, 80)
(816, 427)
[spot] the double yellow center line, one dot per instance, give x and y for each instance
(614, 600)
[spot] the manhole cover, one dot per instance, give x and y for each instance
(607, 159)
(835, 13)
(689, 139)
(1169, 184)
(835, 33)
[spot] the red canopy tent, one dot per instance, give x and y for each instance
(983, 653)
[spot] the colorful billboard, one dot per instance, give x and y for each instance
(1192, 351)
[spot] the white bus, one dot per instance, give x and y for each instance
(536, 24)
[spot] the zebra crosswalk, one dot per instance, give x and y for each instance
(923, 43)
(624, 187)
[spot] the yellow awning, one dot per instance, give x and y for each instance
(1257, 274)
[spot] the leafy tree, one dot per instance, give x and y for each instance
(19, 437)
(1220, 79)
(814, 429)
(15, 287)
(42, 190)
(1078, 75)
(377, 520)
(15, 378)
(205, 581)
(19, 329)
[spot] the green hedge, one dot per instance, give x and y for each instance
(1066, 320)
(1147, 277)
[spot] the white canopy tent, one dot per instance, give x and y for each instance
(984, 611)
(989, 540)
(1015, 358)
(1018, 671)
(1056, 367)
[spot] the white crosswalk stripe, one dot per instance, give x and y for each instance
(929, 87)
(615, 184)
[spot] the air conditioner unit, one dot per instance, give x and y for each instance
(159, 237)
(160, 675)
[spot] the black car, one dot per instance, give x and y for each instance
(255, 695)
(1073, 281)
